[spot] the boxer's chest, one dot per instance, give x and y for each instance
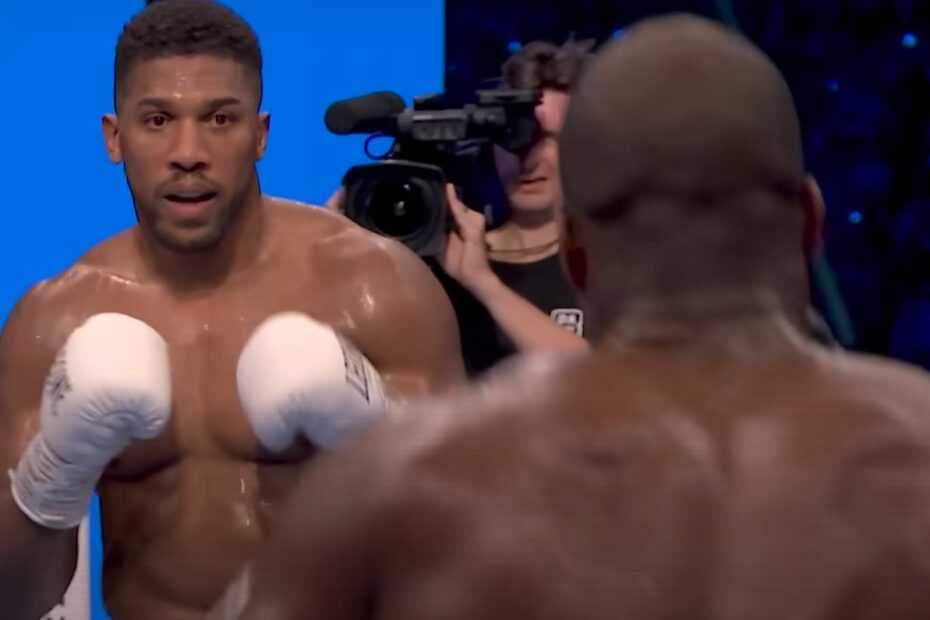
(205, 338)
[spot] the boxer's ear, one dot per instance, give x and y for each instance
(814, 212)
(109, 124)
(573, 254)
(264, 125)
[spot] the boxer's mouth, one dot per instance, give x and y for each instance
(189, 201)
(186, 198)
(190, 192)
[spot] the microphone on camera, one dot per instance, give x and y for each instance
(370, 113)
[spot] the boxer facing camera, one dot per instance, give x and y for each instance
(403, 196)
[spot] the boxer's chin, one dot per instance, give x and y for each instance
(191, 238)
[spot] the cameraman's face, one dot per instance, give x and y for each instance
(531, 179)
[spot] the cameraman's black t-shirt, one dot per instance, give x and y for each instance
(545, 286)
(542, 283)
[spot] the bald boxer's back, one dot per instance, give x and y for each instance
(706, 463)
(665, 485)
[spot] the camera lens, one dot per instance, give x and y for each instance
(396, 208)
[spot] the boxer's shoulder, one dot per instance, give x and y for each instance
(384, 297)
(118, 253)
(900, 391)
(309, 219)
(296, 213)
(353, 244)
(59, 302)
(44, 314)
(871, 412)
(882, 384)
(873, 415)
(345, 253)
(522, 395)
(537, 369)
(327, 234)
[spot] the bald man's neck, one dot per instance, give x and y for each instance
(680, 261)
(693, 282)
(729, 321)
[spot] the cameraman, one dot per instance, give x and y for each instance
(506, 285)
(509, 291)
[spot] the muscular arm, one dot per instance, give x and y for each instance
(401, 318)
(36, 564)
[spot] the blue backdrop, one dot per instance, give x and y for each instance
(60, 194)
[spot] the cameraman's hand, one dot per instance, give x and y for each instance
(466, 259)
(466, 253)
(337, 202)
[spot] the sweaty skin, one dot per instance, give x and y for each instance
(705, 461)
(182, 513)
(705, 483)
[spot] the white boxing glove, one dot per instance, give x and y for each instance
(109, 384)
(296, 375)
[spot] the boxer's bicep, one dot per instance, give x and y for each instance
(27, 350)
(35, 564)
(422, 351)
(413, 338)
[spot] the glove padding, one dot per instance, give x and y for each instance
(296, 375)
(109, 384)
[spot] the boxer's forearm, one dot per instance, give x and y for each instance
(36, 563)
(528, 327)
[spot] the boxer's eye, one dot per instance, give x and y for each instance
(221, 119)
(156, 120)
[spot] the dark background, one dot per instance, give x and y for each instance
(860, 74)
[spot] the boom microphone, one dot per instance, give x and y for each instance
(371, 113)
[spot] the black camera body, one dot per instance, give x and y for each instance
(403, 197)
(400, 199)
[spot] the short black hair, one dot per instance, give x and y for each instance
(185, 28)
(542, 64)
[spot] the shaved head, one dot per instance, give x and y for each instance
(683, 176)
(678, 106)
